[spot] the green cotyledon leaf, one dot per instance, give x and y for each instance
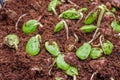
(33, 45)
(52, 48)
(70, 14)
(88, 28)
(107, 47)
(30, 26)
(83, 51)
(72, 71)
(61, 63)
(59, 26)
(115, 26)
(91, 17)
(96, 53)
(53, 4)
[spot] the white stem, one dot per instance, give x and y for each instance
(81, 17)
(93, 75)
(74, 77)
(54, 11)
(76, 38)
(16, 25)
(67, 30)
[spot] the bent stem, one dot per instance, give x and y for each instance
(16, 25)
(76, 38)
(51, 67)
(93, 75)
(67, 30)
(98, 22)
(81, 14)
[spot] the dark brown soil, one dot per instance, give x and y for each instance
(17, 65)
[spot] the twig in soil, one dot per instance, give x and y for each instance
(51, 67)
(67, 30)
(16, 25)
(74, 77)
(93, 75)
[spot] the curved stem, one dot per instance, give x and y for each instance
(54, 11)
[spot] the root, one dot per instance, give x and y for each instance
(16, 25)
(51, 67)
(93, 75)
(67, 30)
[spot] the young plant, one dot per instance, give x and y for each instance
(96, 53)
(107, 47)
(70, 14)
(59, 26)
(12, 41)
(116, 26)
(83, 51)
(88, 28)
(33, 45)
(52, 5)
(30, 26)
(91, 17)
(61, 63)
(52, 48)
(72, 71)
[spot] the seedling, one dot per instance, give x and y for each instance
(96, 53)
(116, 26)
(30, 26)
(88, 28)
(72, 71)
(52, 5)
(83, 51)
(33, 45)
(61, 63)
(59, 26)
(70, 14)
(91, 17)
(12, 41)
(52, 48)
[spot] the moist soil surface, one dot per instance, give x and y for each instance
(18, 65)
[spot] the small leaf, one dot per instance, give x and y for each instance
(115, 26)
(91, 17)
(88, 28)
(107, 47)
(30, 26)
(96, 53)
(33, 45)
(61, 63)
(83, 51)
(53, 48)
(12, 41)
(72, 71)
(70, 14)
(59, 26)
(53, 4)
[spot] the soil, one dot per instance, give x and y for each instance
(17, 65)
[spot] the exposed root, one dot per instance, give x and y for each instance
(16, 25)
(51, 67)
(93, 75)
(67, 30)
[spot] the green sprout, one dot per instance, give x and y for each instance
(70, 14)
(52, 5)
(83, 51)
(72, 71)
(52, 48)
(88, 28)
(107, 47)
(91, 17)
(61, 63)
(96, 53)
(116, 26)
(59, 26)
(12, 41)
(33, 45)
(30, 26)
